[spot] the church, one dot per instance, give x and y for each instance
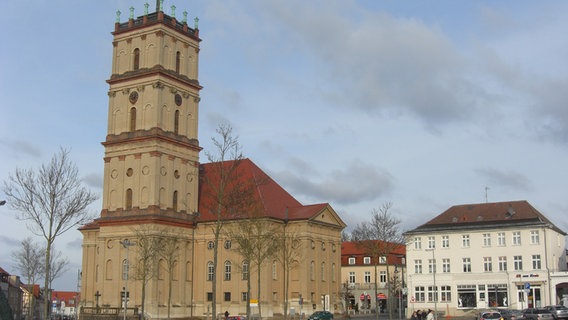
(156, 187)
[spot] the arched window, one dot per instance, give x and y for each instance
(312, 271)
(125, 269)
(176, 122)
(228, 270)
(210, 271)
(178, 58)
(175, 201)
(136, 64)
(333, 272)
(132, 119)
(128, 205)
(245, 269)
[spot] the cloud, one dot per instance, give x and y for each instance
(94, 180)
(356, 182)
(510, 179)
(21, 147)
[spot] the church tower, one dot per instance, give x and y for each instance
(151, 159)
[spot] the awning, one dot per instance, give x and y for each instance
(381, 296)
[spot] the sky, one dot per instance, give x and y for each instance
(425, 104)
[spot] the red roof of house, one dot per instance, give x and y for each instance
(495, 213)
(353, 249)
(70, 297)
(272, 200)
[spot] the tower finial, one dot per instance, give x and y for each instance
(118, 16)
(157, 5)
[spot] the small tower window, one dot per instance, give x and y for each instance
(178, 58)
(176, 122)
(136, 64)
(175, 201)
(132, 119)
(128, 199)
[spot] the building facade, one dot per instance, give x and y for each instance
(488, 255)
(155, 186)
(364, 277)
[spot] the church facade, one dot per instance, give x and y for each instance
(156, 186)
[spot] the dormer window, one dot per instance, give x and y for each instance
(366, 260)
(351, 260)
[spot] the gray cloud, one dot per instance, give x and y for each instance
(356, 182)
(94, 180)
(508, 179)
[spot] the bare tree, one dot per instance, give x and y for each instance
(51, 200)
(169, 253)
(255, 239)
(225, 190)
(28, 261)
(58, 264)
(379, 238)
(147, 247)
(289, 255)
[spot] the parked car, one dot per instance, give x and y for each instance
(490, 315)
(321, 315)
(537, 314)
(511, 314)
(558, 311)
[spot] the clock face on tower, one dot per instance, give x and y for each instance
(133, 97)
(178, 100)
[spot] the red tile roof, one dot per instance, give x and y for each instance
(70, 297)
(267, 195)
(353, 249)
(496, 213)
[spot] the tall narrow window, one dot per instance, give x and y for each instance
(418, 266)
(312, 271)
(210, 271)
(245, 269)
(133, 119)
(446, 265)
(322, 271)
(466, 263)
(125, 269)
(518, 262)
(487, 264)
(175, 201)
(176, 122)
(178, 61)
(136, 64)
(128, 204)
(228, 270)
(431, 266)
(383, 277)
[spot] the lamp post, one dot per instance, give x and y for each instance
(435, 287)
(399, 293)
(126, 244)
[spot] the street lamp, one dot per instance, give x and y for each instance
(399, 293)
(126, 244)
(435, 287)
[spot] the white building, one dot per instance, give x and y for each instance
(488, 255)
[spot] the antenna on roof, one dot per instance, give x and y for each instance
(486, 189)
